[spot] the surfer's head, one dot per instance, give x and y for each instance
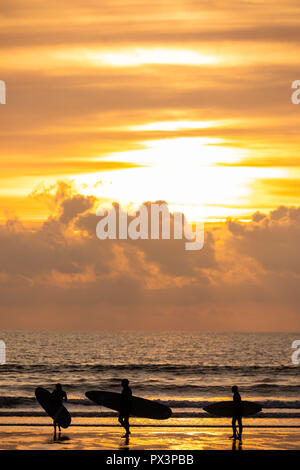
(125, 382)
(235, 389)
(58, 386)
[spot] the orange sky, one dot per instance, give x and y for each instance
(184, 94)
(187, 102)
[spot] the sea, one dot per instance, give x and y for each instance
(183, 370)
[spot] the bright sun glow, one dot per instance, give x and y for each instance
(181, 171)
(135, 57)
(181, 152)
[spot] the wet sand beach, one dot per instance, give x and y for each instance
(147, 438)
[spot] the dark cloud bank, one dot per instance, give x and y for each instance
(60, 275)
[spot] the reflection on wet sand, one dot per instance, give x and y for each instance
(151, 438)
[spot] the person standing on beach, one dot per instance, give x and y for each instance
(237, 413)
(125, 406)
(59, 395)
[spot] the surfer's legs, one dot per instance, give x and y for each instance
(124, 421)
(240, 427)
(234, 427)
(121, 420)
(55, 424)
(126, 424)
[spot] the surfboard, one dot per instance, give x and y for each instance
(225, 408)
(53, 408)
(140, 407)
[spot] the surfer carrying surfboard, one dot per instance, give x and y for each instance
(59, 395)
(237, 413)
(126, 398)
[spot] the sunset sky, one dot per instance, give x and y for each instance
(183, 101)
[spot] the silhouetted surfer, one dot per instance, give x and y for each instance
(237, 413)
(125, 406)
(59, 395)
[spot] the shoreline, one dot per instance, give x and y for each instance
(146, 437)
(104, 425)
